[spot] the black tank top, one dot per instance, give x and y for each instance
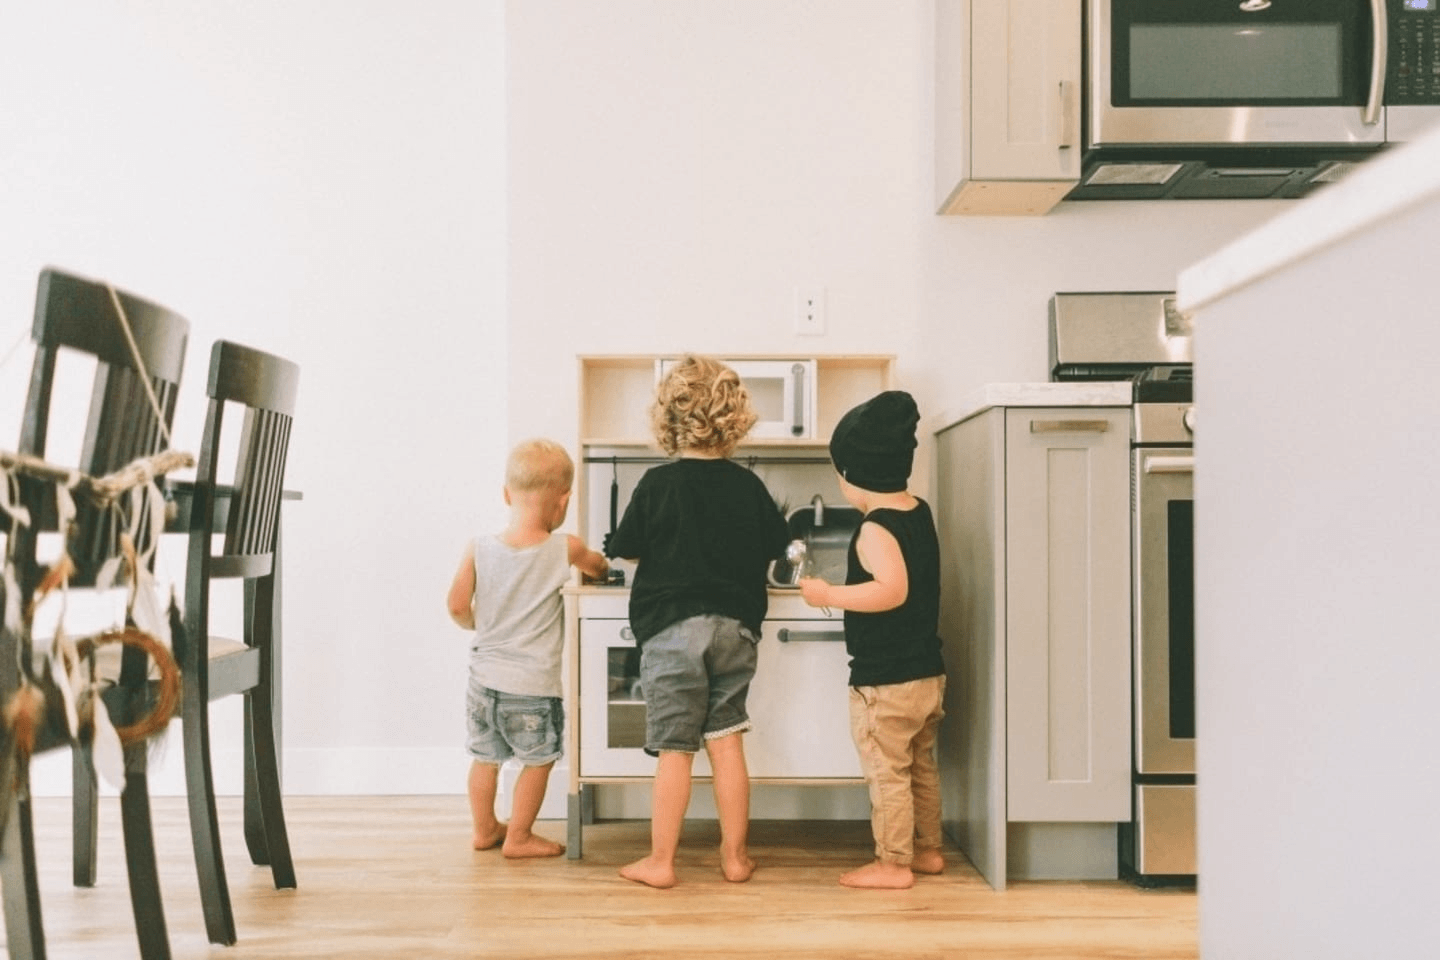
(902, 644)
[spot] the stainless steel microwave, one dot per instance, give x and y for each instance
(1252, 97)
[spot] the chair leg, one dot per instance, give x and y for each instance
(140, 857)
(24, 932)
(265, 831)
(85, 812)
(204, 824)
(262, 790)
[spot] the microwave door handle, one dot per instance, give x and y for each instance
(1378, 65)
(797, 401)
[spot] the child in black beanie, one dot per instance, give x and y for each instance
(891, 600)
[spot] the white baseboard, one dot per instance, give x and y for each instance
(434, 771)
(354, 771)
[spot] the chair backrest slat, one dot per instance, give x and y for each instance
(78, 314)
(266, 386)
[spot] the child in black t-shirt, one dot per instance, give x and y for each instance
(703, 530)
(891, 600)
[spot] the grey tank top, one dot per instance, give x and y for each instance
(519, 622)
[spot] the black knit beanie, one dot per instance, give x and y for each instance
(873, 446)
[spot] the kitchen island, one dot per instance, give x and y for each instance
(1317, 548)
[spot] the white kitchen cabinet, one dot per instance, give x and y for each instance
(1007, 104)
(1034, 515)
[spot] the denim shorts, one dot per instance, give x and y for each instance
(505, 725)
(695, 675)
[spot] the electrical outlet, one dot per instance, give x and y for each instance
(810, 311)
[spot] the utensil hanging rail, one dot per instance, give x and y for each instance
(744, 459)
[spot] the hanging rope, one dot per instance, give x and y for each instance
(24, 335)
(139, 363)
(102, 489)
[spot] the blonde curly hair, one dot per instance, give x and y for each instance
(701, 405)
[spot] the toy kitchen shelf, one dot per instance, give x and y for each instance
(616, 393)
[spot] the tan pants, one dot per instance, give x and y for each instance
(894, 728)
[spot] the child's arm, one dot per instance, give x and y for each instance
(587, 561)
(461, 601)
(879, 554)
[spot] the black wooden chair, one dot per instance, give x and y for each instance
(139, 351)
(249, 517)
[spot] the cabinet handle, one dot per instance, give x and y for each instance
(1069, 426)
(1066, 134)
(1170, 465)
(787, 635)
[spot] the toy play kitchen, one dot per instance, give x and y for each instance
(798, 701)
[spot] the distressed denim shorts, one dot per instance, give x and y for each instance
(695, 676)
(505, 725)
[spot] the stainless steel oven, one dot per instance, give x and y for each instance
(1141, 338)
(1160, 840)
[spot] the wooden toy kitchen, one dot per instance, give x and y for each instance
(797, 701)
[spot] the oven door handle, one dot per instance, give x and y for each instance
(787, 635)
(1170, 464)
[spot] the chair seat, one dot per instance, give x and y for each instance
(233, 665)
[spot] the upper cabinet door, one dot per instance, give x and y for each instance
(1025, 89)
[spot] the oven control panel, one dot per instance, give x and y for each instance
(1167, 424)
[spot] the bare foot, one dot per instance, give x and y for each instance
(650, 872)
(530, 846)
(928, 861)
(486, 839)
(879, 875)
(736, 868)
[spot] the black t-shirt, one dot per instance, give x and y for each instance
(895, 646)
(704, 532)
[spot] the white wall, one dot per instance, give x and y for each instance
(327, 180)
(676, 169)
(324, 180)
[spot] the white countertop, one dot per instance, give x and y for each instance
(1083, 394)
(785, 603)
(1375, 192)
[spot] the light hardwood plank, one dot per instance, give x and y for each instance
(393, 877)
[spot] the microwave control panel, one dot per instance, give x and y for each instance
(1413, 76)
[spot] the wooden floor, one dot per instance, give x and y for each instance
(394, 877)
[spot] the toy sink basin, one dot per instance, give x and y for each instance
(826, 545)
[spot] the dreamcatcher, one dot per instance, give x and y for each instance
(68, 695)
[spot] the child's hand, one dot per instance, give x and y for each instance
(814, 590)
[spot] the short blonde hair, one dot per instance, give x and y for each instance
(539, 465)
(701, 405)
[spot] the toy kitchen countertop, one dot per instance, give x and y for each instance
(606, 602)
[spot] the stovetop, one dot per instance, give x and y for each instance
(1171, 383)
